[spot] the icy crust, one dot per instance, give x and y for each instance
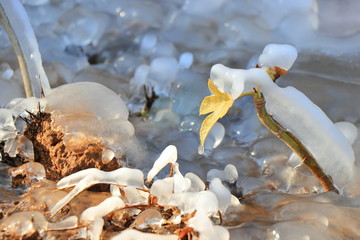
(186, 193)
(86, 109)
(293, 110)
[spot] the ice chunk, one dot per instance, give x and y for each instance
(162, 73)
(134, 196)
(7, 125)
(92, 100)
(294, 111)
(148, 44)
(349, 130)
(95, 228)
(76, 30)
(222, 193)
(214, 138)
(163, 188)
(168, 156)
(181, 184)
(202, 7)
(6, 72)
(107, 206)
(107, 155)
(188, 202)
(197, 184)
(229, 174)
(207, 230)
(88, 177)
(25, 40)
(186, 59)
(278, 55)
(131, 234)
(148, 218)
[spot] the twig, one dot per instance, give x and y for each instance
(292, 142)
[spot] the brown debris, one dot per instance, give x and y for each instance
(49, 150)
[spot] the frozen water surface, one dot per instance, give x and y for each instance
(170, 46)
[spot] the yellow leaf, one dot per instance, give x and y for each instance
(218, 105)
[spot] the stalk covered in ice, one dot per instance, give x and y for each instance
(290, 108)
(17, 25)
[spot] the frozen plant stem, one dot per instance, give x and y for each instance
(17, 26)
(291, 141)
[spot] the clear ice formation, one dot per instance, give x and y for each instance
(293, 110)
(98, 112)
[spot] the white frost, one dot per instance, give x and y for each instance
(107, 206)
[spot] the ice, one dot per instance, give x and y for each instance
(306, 121)
(95, 229)
(162, 73)
(197, 184)
(222, 193)
(33, 170)
(202, 224)
(7, 124)
(278, 55)
(205, 201)
(76, 30)
(16, 16)
(32, 221)
(229, 174)
(168, 156)
(148, 218)
(93, 100)
(107, 206)
(181, 184)
(349, 130)
(134, 196)
(131, 234)
(6, 71)
(214, 138)
(148, 44)
(88, 177)
(196, 7)
(186, 59)
(107, 156)
(162, 188)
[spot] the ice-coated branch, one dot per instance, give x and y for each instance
(293, 143)
(88, 177)
(17, 26)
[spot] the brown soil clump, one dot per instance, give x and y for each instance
(49, 150)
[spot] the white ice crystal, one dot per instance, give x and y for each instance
(168, 156)
(294, 111)
(197, 184)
